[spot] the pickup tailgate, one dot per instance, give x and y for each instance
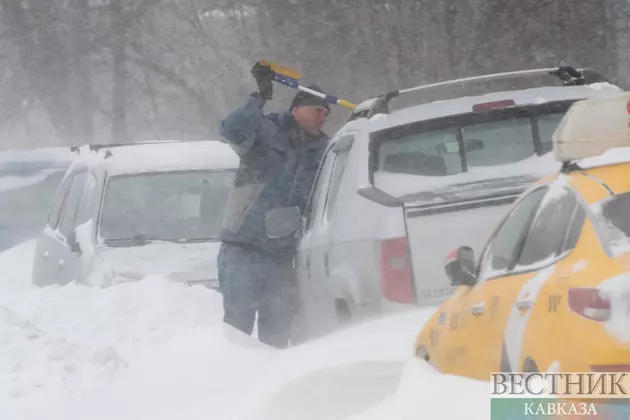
(465, 214)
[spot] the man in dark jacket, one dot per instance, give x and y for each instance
(279, 156)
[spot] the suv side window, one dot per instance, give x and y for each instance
(321, 182)
(70, 209)
(59, 200)
(546, 237)
(499, 256)
(340, 162)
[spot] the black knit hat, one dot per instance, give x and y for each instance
(305, 98)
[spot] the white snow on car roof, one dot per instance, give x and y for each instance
(610, 157)
(193, 155)
(464, 105)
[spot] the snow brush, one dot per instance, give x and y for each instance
(288, 76)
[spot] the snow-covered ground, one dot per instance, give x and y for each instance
(158, 350)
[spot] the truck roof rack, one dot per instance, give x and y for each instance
(569, 76)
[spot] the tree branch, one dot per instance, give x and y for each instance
(175, 79)
(128, 20)
(134, 15)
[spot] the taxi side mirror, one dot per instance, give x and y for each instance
(460, 267)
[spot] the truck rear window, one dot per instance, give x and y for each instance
(461, 143)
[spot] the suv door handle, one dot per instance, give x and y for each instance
(477, 309)
(60, 265)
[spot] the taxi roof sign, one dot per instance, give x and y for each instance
(593, 126)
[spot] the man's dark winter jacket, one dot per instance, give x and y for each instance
(278, 163)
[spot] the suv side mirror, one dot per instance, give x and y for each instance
(460, 267)
(283, 222)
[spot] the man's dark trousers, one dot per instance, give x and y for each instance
(253, 282)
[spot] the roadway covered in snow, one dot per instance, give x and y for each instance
(158, 350)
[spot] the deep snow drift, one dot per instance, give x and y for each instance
(158, 350)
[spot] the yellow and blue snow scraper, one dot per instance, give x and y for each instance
(288, 76)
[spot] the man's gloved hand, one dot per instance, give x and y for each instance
(264, 76)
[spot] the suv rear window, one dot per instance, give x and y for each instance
(489, 139)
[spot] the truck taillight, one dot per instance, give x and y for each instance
(589, 303)
(396, 274)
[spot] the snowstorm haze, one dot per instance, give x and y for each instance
(101, 71)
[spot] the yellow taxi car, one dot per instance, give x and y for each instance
(551, 288)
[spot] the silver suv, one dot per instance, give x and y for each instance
(126, 211)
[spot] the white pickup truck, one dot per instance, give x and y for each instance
(399, 189)
(455, 165)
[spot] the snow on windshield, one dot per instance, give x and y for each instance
(165, 206)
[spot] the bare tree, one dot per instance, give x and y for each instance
(123, 70)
